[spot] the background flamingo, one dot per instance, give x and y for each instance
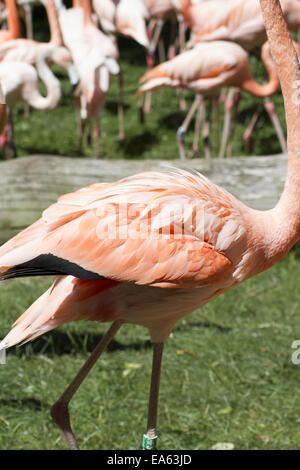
(13, 26)
(240, 21)
(27, 50)
(96, 58)
(20, 82)
(130, 277)
(205, 69)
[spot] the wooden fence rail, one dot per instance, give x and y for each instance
(29, 185)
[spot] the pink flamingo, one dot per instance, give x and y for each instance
(27, 50)
(240, 21)
(95, 56)
(20, 82)
(13, 30)
(126, 17)
(205, 69)
(151, 248)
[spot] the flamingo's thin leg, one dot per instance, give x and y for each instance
(151, 59)
(270, 108)
(183, 128)
(173, 37)
(227, 122)
(161, 50)
(215, 120)
(205, 134)
(247, 137)
(28, 20)
(199, 121)
(97, 137)
(236, 100)
(182, 28)
(121, 106)
(59, 410)
(141, 109)
(150, 437)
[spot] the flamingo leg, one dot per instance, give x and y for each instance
(151, 59)
(199, 120)
(121, 106)
(83, 120)
(150, 437)
(215, 120)
(236, 101)
(172, 47)
(141, 109)
(183, 128)
(59, 410)
(180, 19)
(205, 134)
(270, 108)
(28, 21)
(161, 50)
(227, 121)
(247, 137)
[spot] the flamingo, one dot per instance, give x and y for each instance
(205, 69)
(127, 17)
(105, 11)
(13, 30)
(153, 247)
(95, 56)
(20, 82)
(27, 50)
(240, 21)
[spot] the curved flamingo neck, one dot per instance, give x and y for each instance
(55, 32)
(282, 224)
(13, 19)
(262, 91)
(35, 99)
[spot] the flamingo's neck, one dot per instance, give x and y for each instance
(55, 32)
(262, 91)
(281, 226)
(13, 19)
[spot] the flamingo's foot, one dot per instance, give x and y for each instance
(60, 414)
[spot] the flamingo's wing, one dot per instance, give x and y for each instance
(152, 229)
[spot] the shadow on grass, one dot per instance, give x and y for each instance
(30, 403)
(138, 144)
(112, 106)
(173, 120)
(57, 343)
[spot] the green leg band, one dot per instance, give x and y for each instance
(149, 443)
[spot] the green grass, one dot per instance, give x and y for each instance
(227, 374)
(55, 132)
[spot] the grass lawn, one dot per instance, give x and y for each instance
(227, 374)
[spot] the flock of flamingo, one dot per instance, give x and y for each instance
(83, 40)
(153, 247)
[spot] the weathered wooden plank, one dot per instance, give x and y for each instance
(29, 185)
